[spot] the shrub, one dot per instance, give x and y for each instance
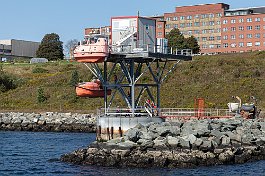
(75, 78)
(7, 82)
(40, 95)
(39, 70)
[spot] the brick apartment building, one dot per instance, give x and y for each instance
(217, 28)
(243, 30)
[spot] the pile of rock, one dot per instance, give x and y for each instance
(179, 144)
(49, 121)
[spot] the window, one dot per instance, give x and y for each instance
(263, 35)
(167, 26)
(189, 32)
(233, 37)
(182, 18)
(241, 28)
(159, 26)
(264, 19)
(182, 25)
(176, 26)
(225, 37)
(225, 29)
(167, 33)
(196, 24)
(219, 14)
(211, 46)
(197, 16)
(225, 45)
(204, 23)
(204, 46)
(257, 27)
(211, 38)
(257, 43)
(249, 20)
(257, 19)
(241, 36)
(159, 33)
(233, 45)
(211, 30)
(168, 19)
(204, 38)
(211, 23)
(233, 21)
(218, 22)
(218, 30)
(218, 46)
(225, 22)
(249, 27)
(249, 44)
(241, 44)
(264, 27)
(218, 38)
(175, 18)
(189, 17)
(241, 20)
(196, 31)
(189, 24)
(204, 16)
(257, 35)
(204, 31)
(249, 36)
(211, 15)
(233, 28)
(197, 38)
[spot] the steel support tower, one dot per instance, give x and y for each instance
(133, 67)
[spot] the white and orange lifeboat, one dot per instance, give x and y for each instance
(92, 50)
(91, 89)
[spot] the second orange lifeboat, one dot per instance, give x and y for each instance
(91, 89)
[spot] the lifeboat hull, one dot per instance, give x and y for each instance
(90, 57)
(91, 90)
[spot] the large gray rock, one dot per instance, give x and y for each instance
(132, 134)
(172, 141)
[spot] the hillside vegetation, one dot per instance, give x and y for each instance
(214, 78)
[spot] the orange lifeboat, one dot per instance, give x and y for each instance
(92, 50)
(91, 89)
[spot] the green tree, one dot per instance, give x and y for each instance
(51, 47)
(40, 95)
(175, 39)
(75, 78)
(192, 43)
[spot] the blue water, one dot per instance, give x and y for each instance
(29, 153)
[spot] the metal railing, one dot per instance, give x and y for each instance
(168, 112)
(191, 112)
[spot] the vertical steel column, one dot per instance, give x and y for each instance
(105, 87)
(158, 87)
(132, 86)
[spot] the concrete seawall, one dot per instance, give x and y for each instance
(49, 122)
(179, 144)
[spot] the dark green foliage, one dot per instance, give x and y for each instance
(75, 78)
(39, 70)
(192, 43)
(51, 47)
(175, 39)
(7, 82)
(40, 95)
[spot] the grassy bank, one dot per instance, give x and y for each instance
(214, 78)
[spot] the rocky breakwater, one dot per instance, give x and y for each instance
(49, 121)
(179, 144)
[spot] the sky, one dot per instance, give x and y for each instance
(32, 19)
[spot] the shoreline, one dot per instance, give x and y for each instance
(47, 122)
(179, 145)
